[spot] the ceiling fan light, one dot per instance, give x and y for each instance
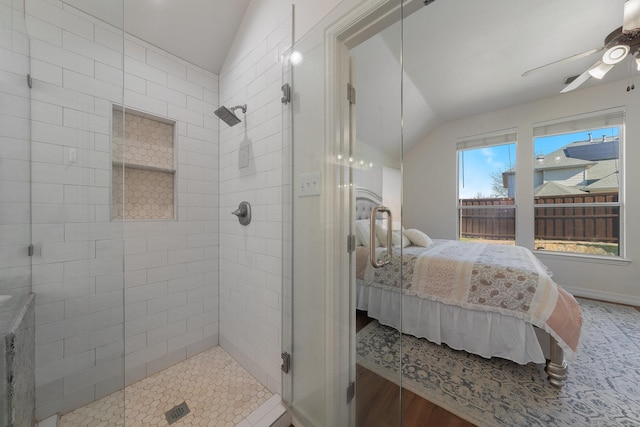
(631, 19)
(615, 54)
(599, 70)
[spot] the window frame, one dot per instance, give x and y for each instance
(609, 118)
(487, 140)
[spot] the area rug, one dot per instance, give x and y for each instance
(602, 389)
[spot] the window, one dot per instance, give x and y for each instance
(143, 169)
(486, 188)
(577, 179)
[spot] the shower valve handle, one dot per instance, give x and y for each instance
(243, 213)
(240, 212)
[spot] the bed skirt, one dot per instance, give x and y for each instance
(486, 334)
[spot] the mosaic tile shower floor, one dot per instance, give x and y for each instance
(218, 391)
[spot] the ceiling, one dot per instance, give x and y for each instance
(466, 57)
(460, 57)
(198, 31)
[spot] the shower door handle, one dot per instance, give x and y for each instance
(372, 237)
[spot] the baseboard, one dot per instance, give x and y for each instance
(603, 296)
(52, 421)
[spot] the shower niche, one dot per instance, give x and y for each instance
(143, 166)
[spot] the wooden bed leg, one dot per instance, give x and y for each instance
(556, 367)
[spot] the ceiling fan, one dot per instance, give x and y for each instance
(620, 43)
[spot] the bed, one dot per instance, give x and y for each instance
(486, 299)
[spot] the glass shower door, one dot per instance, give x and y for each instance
(325, 165)
(376, 169)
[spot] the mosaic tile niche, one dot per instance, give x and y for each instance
(143, 167)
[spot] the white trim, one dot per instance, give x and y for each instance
(489, 139)
(609, 117)
(603, 296)
(574, 256)
(573, 205)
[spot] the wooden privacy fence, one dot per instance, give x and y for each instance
(579, 223)
(479, 222)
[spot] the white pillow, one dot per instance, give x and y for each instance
(397, 239)
(418, 238)
(400, 239)
(362, 233)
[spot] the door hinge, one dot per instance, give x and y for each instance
(30, 250)
(29, 81)
(351, 93)
(351, 243)
(286, 362)
(286, 93)
(351, 392)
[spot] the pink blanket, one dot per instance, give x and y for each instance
(506, 279)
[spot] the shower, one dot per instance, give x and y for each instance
(228, 115)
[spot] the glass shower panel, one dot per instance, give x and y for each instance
(325, 338)
(312, 225)
(15, 154)
(16, 300)
(77, 63)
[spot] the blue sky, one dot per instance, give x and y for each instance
(480, 163)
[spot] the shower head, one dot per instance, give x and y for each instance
(228, 115)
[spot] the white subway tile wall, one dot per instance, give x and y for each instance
(15, 275)
(166, 271)
(251, 256)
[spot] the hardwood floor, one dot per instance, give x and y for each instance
(378, 401)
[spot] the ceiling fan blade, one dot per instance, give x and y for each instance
(577, 82)
(599, 70)
(631, 19)
(567, 59)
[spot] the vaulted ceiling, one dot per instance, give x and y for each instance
(198, 31)
(460, 57)
(466, 57)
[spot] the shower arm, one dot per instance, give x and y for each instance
(243, 107)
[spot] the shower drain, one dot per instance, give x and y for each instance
(177, 412)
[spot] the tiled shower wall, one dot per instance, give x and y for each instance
(251, 256)
(15, 270)
(170, 279)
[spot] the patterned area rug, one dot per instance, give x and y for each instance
(602, 388)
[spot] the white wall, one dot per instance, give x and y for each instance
(15, 271)
(309, 12)
(251, 256)
(430, 185)
(169, 284)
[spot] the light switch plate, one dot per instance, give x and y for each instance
(308, 184)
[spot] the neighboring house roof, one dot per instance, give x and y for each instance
(608, 183)
(551, 188)
(599, 157)
(602, 169)
(604, 149)
(558, 160)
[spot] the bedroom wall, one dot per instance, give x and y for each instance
(430, 186)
